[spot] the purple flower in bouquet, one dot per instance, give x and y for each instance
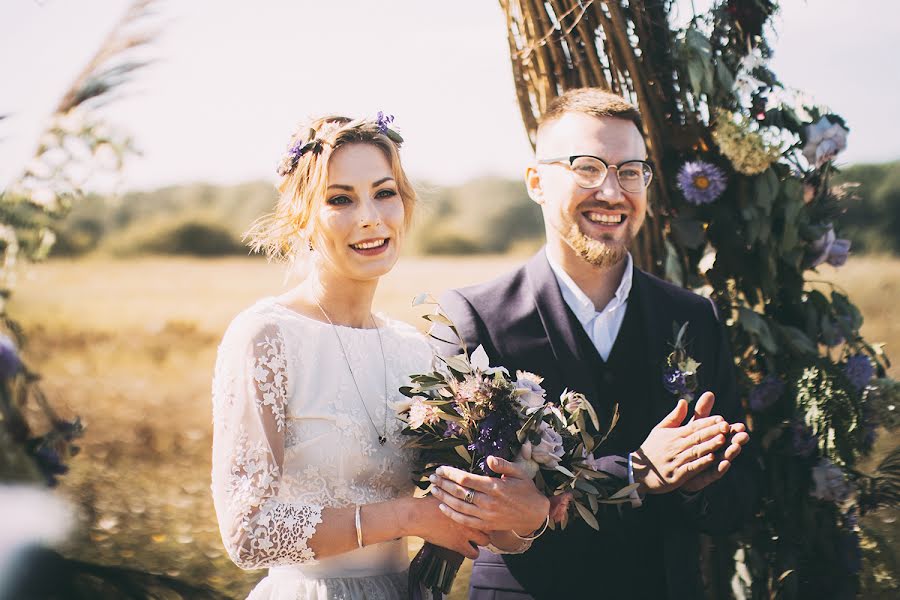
(859, 371)
(803, 442)
(828, 248)
(701, 182)
(496, 435)
(766, 393)
(825, 139)
(10, 363)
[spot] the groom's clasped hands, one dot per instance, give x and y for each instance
(687, 457)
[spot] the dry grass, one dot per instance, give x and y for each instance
(130, 347)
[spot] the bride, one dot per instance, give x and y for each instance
(309, 478)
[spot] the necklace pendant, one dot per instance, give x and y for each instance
(382, 440)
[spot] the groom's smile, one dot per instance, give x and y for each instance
(597, 221)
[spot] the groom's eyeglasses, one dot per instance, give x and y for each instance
(590, 172)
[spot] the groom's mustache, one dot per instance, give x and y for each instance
(623, 207)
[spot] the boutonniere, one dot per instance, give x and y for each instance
(680, 375)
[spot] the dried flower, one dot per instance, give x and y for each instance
(421, 413)
(749, 152)
(701, 182)
(803, 442)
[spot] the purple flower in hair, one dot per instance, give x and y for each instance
(701, 182)
(859, 371)
(383, 121)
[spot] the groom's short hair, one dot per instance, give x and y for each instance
(592, 101)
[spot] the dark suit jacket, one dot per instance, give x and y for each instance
(523, 322)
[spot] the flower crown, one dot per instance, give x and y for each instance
(289, 161)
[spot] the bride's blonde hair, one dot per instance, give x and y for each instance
(288, 231)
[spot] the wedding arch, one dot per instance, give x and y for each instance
(743, 209)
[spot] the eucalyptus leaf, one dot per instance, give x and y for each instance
(587, 515)
(625, 491)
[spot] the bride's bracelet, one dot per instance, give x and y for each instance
(528, 538)
(359, 540)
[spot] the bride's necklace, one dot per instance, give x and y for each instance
(382, 437)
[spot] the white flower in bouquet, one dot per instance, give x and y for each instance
(529, 392)
(550, 451)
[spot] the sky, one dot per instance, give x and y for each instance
(232, 79)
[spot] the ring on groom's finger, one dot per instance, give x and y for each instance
(470, 496)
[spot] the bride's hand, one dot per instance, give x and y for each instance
(439, 529)
(507, 503)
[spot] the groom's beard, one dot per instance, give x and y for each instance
(599, 253)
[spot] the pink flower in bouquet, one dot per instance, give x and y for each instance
(421, 413)
(559, 506)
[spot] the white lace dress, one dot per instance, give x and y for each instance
(291, 438)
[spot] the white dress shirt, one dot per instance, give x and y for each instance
(601, 326)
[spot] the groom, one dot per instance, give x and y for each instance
(581, 315)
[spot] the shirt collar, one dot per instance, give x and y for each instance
(578, 301)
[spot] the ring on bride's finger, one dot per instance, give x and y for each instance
(470, 496)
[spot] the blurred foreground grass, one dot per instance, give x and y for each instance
(130, 346)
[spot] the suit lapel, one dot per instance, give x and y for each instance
(658, 320)
(560, 323)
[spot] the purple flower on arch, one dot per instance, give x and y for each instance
(701, 182)
(766, 393)
(859, 371)
(828, 248)
(10, 363)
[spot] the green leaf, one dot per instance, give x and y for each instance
(438, 318)
(756, 325)
(565, 471)
(587, 515)
(586, 487)
(690, 233)
(464, 454)
(457, 363)
(798, 341)
(625, 491)
(423, 298)
(766, 188)
(394, 136)
(726, 79)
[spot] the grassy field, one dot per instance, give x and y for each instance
(130, 345)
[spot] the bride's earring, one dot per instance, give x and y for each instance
(309, 245)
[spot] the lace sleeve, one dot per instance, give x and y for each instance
(249, 397)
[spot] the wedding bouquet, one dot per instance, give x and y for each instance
(465, 410)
